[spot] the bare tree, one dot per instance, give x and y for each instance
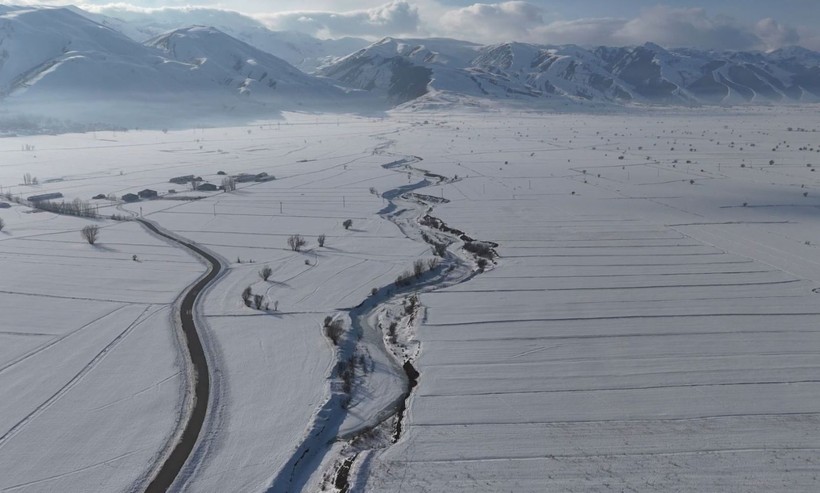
(77, 207)
(246, 295)
(418, 268)
(90, 233)
(348, 223)
(2, 224)
(334, 329)
(257, 301)
(404, 279)
(296, 242)
(228, 184)
(322, 239)
(265, 273)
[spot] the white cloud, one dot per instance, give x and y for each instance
(775, 35)
(671, 27)
(493, 21)
(809, 38)
(580, 31)
(687, 27)
(395, 18)
(484, 22)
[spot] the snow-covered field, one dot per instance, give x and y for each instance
(88, 371)
(643, 334)
(650, 323)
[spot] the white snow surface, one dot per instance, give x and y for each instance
(646, 332)
(641, 334)
(88, 360)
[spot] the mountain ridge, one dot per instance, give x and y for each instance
(647, 74)
(58, 62)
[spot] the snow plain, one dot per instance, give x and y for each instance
(88, 363)
(642, 329)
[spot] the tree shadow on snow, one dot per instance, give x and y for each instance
(104, 248)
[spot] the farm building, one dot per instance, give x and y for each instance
(130, 197)
(244, 178)
(207, 187)
(264, 177)
(148, 194)
(45, 196)
(182, 180)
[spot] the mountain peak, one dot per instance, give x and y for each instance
(654, 47)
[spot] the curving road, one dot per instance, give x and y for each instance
(166, 473)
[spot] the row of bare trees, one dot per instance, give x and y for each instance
(77, 207)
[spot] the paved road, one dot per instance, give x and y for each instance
(174, 462)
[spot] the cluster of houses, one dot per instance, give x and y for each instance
(149, 194)
(146, 194)
(247, 177)
(196, 182)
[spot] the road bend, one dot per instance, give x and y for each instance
(168, 471)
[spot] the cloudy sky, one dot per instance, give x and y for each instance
(718, 24)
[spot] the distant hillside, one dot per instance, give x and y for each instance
(403, 70)
(67, 64)
(56, 62)
(300, 50)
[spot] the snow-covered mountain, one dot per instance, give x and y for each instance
(60, 62)
(58, 49)
(403, 70)
(207, 57)
(54, 61)
(300, 50)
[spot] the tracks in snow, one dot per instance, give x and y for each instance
(14, 430)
